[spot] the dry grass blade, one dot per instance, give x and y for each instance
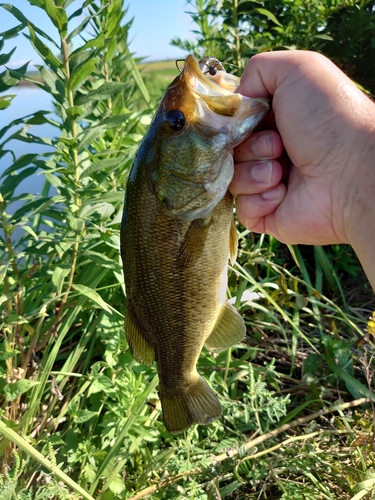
(30, 450)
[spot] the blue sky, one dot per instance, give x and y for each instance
(155, 23)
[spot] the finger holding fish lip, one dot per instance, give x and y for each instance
(262, 145)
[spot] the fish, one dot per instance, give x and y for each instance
(178, 231)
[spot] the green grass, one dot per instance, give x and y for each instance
(80, 418)
(157, 77)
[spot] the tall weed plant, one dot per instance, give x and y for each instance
(80, 418)
(234, 30)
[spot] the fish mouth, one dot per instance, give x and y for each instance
(218, 82)
(217, 90)
(218, 108)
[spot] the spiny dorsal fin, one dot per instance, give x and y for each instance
(233, 242)
(229, 329)
(141, 350)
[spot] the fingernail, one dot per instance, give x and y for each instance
(262, 172)
(262, 146)
(271, 195)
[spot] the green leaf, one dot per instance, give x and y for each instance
(230, 488)
(82, 72)
(31, 231)
(324, 37)
(100, 384)
(6, 351)
(22, 443)
(356, 388)
(268, 14)
(101, 259)
(4, 58)
(12, 181)
(92, 295)
(16, 13)
(44, 51)
(102, 165)
(51, 84)
(105, 91)
(117, 486)
(38, 3)
(89, 136)
(58, 277)
(114, 121)
(15, 389)
(97, 42)
(84, 415)
(3, 272)
(12, 32)
(75, 112)
(25, 22)
(7, 81)
(35, 206)
(22, 161)
(58, 17)
(6, 101)
(115, 196)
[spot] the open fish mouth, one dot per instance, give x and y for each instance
(209, 81)
(218, 108)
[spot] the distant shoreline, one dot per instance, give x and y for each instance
(27, 83)
(144, 67)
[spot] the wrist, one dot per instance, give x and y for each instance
(359, 212)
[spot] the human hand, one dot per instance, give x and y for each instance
(327, 128)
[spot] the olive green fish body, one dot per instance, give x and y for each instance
(176, 236)
(174, 299)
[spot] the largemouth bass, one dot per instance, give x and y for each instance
(178, 231)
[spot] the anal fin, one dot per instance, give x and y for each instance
(140, 348)
(229, 329)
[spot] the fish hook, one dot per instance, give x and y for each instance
(177, 61)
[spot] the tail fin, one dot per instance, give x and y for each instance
(198, 405)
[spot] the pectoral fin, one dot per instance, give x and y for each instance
(194, 241)
(140, 348)
(229, 329)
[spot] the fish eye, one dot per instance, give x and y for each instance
(176, 119)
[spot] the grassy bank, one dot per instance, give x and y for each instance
(80, 418)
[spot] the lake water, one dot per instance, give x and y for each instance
(29, 99)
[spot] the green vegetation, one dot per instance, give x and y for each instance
(80, 418)
(234, 30)
(157, 76)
